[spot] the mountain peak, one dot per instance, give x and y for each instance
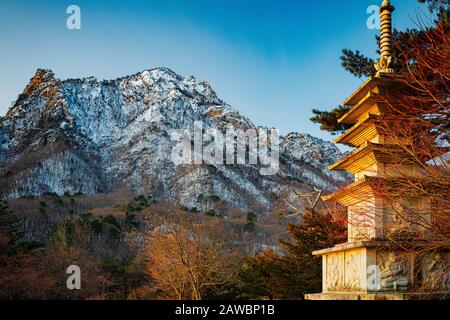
(41, 72)
(40, 76)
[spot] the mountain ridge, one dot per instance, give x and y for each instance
(89, 136)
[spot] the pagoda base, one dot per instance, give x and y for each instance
(378, 296)
(372, 270)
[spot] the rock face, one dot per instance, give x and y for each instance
(88, 136)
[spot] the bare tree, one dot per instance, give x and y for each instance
(189, 259)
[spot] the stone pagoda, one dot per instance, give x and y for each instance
(366, 267)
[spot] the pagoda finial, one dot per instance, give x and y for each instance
(383, 65)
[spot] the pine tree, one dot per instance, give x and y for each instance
(294, 272)
(10, 230)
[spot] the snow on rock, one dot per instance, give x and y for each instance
(108, 134)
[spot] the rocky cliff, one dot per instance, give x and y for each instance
(88, 136)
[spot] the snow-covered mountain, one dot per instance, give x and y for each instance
(88, 136)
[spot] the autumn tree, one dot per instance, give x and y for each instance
(190, 260)
(37, 270)
(294, 271)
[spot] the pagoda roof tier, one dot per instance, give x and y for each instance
(381, 242)
(369, 85)
(372, 102)
(369, 187)
(375, 243)
(362, 131)
(371, 96)
(353, 193)
(367, 155)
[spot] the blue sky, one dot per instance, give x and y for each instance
(272, 60)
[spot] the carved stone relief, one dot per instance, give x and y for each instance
(436, 272)
(333, 272)
(352, 271)
(394, 271)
